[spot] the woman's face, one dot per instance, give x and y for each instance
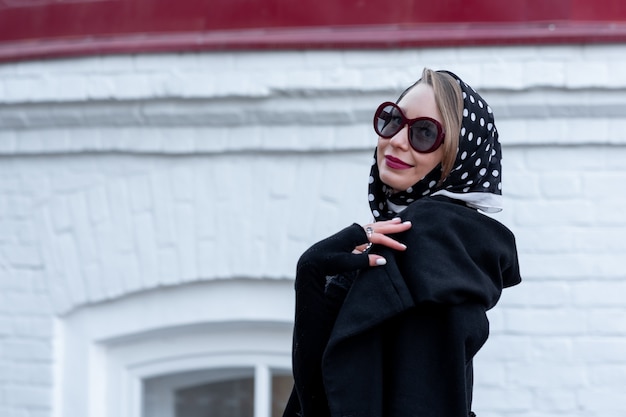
(399, 165)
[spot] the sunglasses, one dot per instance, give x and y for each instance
(425, 134)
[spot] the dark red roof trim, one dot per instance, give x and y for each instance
(360, 37)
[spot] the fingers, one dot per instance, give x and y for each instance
(377, 232)
(390, 226)
(384, 240)
(361, 248)
(376, 260)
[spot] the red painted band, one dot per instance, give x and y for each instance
(362, 37)
(52, 28)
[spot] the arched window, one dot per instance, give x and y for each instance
(222, 346)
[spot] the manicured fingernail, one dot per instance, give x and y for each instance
(403, 245)
(381, 261)
(397, 219)
(407, 222)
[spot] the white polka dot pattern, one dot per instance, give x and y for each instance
(481, 171)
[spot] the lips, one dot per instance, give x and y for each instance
(395, 163)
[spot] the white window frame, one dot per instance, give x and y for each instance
(105, 351)
(260, 367)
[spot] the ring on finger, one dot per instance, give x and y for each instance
(369, 232)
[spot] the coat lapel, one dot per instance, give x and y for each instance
(376, 295)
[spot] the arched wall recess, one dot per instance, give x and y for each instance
(106, 351)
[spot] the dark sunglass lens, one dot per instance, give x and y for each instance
(424, 134)
(388, 121)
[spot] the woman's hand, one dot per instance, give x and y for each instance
(377, 233)
(346, 250)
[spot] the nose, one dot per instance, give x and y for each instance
(401, 139)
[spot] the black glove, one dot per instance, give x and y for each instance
(333, 255)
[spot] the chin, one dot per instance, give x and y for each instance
(393, 183)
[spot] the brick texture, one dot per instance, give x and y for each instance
(121, 174)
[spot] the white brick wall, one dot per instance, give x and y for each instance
(120, 174)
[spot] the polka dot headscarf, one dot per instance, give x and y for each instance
(475, 176)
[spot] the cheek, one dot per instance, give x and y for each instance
(431, 160)
(380, 151)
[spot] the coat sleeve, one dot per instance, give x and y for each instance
(316, 311)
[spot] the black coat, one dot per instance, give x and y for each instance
(404, 337)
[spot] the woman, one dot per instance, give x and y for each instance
(390, 315)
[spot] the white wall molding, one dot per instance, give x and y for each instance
(543, 117)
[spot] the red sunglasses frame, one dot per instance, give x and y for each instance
(441, 133)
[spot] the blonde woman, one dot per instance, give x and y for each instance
(390, 315)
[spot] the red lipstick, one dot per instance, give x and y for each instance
(395, 163)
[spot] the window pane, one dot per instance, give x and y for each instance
(207, 393)
(281, 389)
(232, 398)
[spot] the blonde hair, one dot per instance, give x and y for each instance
(449, 99)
